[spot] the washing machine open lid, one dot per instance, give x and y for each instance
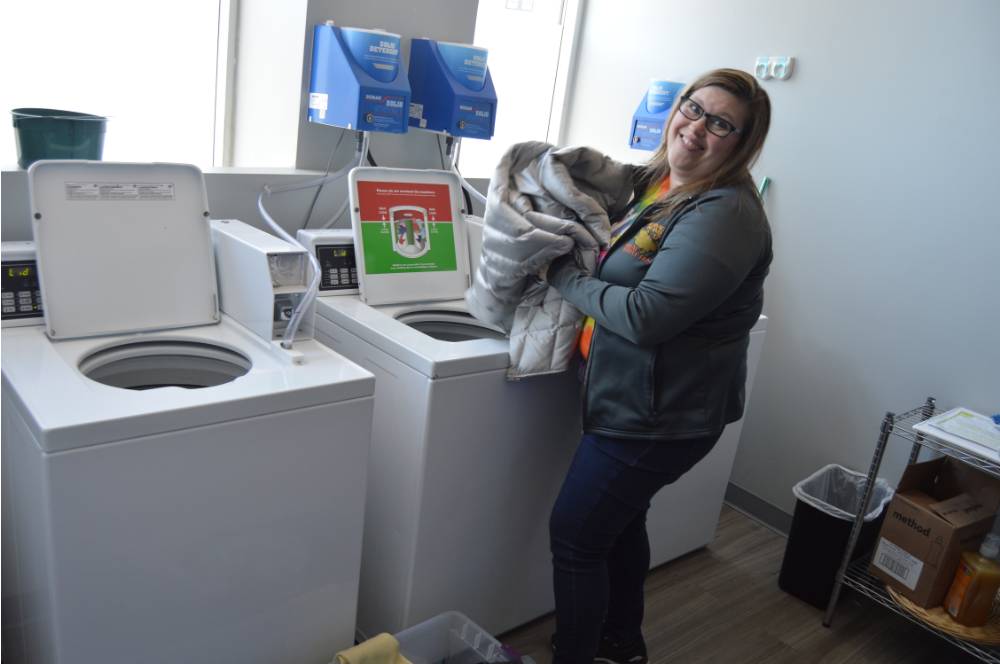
(122, 247)
(409, 235)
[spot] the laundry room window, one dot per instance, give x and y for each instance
(530, 45)
(151, 68)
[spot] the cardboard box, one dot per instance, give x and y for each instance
(941, 508)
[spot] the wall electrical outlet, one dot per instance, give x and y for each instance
(762, 68)
(773, 66)
(781, 66)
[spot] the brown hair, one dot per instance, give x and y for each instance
(736, 171)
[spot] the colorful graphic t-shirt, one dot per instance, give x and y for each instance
(643, 247)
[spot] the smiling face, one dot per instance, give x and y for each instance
(692, 151)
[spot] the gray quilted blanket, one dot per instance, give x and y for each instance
(543, 203)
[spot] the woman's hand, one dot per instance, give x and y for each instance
(564, 262)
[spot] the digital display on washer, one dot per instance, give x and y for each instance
(21, 295)
(338, 267)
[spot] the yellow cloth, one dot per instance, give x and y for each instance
(381, 649)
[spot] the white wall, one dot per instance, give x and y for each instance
(883, 154)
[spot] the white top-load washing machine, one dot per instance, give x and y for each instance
(465, 465)
(184, 490)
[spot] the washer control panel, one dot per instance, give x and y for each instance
(22, 295)
(335, 253)
(339, 268)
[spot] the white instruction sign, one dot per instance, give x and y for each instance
(120, 191)
(897, 563)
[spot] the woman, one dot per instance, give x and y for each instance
(672, 304)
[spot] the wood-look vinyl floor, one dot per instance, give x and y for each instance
(722, 604)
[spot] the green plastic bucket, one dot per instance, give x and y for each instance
(44, 133)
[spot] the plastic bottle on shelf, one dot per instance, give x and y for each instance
(970, 599)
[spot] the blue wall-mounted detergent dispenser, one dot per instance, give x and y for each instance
(452, 89)
(357, 80)
(651, 115)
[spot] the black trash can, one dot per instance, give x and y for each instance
(821, 525)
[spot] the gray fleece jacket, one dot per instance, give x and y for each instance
(674, 301)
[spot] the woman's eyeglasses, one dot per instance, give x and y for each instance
(721, 127)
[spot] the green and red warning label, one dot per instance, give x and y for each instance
(406, 227)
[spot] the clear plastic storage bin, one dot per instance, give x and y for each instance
(451, 638)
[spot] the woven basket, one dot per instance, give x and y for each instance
(937, 617)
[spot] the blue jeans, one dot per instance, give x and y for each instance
(600, 550)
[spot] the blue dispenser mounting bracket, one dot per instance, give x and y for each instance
(650, 117)
(356, 80)
(452, 89)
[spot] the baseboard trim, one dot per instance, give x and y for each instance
(758, 509)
